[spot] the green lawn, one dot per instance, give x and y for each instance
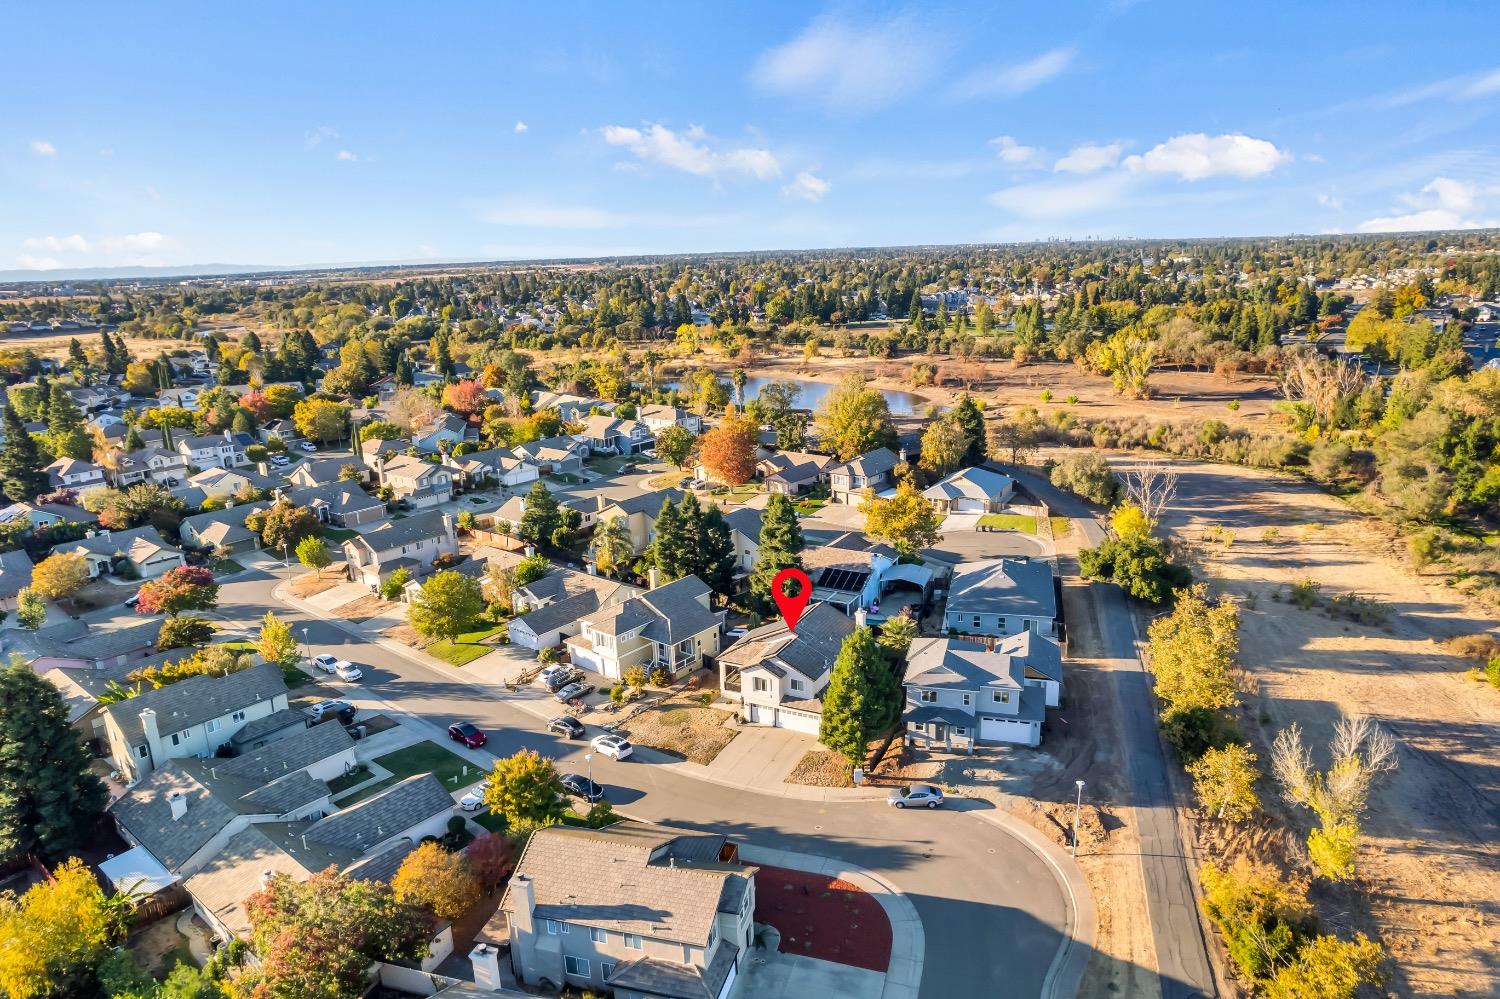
(495, 823)
(293, 676)
(423, 758)
(226, 566)
(469, 645)
(1008, 522)
(339, 535)
(1060, 526)
(809, 505)
(610, 464)
(344, 782)
(739, 494)
(668, 480)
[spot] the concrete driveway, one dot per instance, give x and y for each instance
(957, 522)
(761, 756)
(773, 975)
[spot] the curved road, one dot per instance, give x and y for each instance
(993, 914)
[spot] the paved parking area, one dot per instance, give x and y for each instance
(769, 975)
(760, 756)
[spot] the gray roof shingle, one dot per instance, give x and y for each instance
(1003, 586)
(810, 650)
(364, 825)
(195, 700)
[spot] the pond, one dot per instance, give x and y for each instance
(810, 395)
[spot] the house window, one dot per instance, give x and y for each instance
(550, 925)
(141, 751)
(598, 936)
(633, 941)
(564, 928)
(606, 969)
(927, 696)
(174, 738)
(212, 726)
(576, 966)
(796, 684)
(238, 716)
(960, 731)
(760, 684)
(966, 700)
(1001, 696)
(710, 945)
(976, 620)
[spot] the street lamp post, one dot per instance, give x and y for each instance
(589, 759)
(305, 649)
(1077, 804)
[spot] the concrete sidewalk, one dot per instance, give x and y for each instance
(908, 939)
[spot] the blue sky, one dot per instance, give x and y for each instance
(312, 133)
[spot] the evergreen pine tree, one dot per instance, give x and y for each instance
(63, 414)
(122, 355)
(716, 550)
(780, 547)
(668, 551)
(49, 799)
(21, 475)
(969, 416)
(133, 440)
(163, 371)
(883, 694)
(251, 342)
(107, 348)
(845, 705)
(541, 517)
(690, 519)
(403, 370)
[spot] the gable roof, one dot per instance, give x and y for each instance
(79, 640)
(395, 533)
(368, 823)
(145, 812)
(15, 573)
(667, 614)
(870, 464)
(138, 543)
(195, 700)
(340, 497)
(234, 874)
(328, 470)
(1003, 586)
(970, 483)
(948, 662)
(230, 520)
(810, 650)
(647, 503)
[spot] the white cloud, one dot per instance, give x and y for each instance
(316, 136)
(849, 66)
(30, 263)
(1017, 78)
(1195, 156)
(1064, 198)
(807, 187)
(1330, 201)
(43, 148)
(1482, 86)
(1011, 151)
(521, 127)
(690, 152)
(1444, 203)
(140, 242)
(58, 244)
(1089, 158)
(347, 156)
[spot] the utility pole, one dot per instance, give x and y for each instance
(1077, 804)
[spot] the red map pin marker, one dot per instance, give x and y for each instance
(791, 607)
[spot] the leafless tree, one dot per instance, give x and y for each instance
(1319, 381)
(1151, 486)
(1361, 751)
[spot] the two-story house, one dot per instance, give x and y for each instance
(639, 513)
(553, 608)
(225, 483)
(409, 544)
(1002, 596)
(192, 717)
(871, 473)
(496, 466)
(212, 451)
(612, 435)
(778, 675)
(960, 693)
(325, 470)
(659, 418)
(671, 627)
(39, 516)
(154, 464)
(570, 408)
(553, 454)
(792, 473)
(340, 503)
(70, 473)
(641, 911)
(447, 430)
(416, 483)
(142, 547)
(971, 490)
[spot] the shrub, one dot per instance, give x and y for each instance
(1305, 594)
(1234, 405)
(1263, 916)
(635, 677)
(548, 655)
(660, 676)
(1089, 476)
(1046, 395)
(1072, 400)
(1492, 672)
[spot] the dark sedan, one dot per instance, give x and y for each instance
(468, 734)
(566, 726)
(573, 690)
(580, 786)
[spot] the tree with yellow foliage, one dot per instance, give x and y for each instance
(54, 937)
(437, 879)
(60, 575)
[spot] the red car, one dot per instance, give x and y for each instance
(468, 734)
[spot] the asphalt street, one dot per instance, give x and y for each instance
(993, 915)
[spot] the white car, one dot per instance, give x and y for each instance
(280, 459)
(348, 671)
(613, 746)
(330, 664)
(471, 800)
(308, 446)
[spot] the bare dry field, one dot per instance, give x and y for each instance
(682, 725)
(56, 345)
(1430, 865)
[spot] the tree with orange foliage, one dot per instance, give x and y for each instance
(728, 450)
(465, 397)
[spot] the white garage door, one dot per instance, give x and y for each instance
(1002, 730)
(798, 721)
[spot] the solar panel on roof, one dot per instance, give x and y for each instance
(842, 579)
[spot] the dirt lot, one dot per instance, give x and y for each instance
(682, 725)
(365, 608)
(310, 584)
(1431, 858)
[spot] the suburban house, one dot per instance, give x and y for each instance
(671, 627)
(853, 573)
(179, 398)
(449, 429)
(409, 544)
(659, 418)
(74, 644)
(282, 430)
(553, 454)
(744, 528)
(325, 470)
(212, 451)
(15, 576)
(497, 466)
(373, 450)
(70, 473)
(340, 503)
(971, 490)
(639, 513)
(222, 528)
(142, 548)
(192, 717)
(224, 483)
(612, 435)
(571, 408)
(148, 464)
(960, 693)
(792, 473)
(634, 909)
(778, 676)
(44, 515)
(552, 608)
(418, 483)
(873, 471)
(1002, 596)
